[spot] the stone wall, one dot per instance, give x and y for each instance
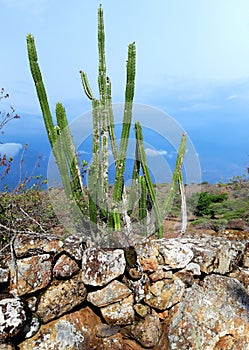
(178, 293)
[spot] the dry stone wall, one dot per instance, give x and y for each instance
(189, 292)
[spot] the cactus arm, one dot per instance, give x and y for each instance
(134, 191)
(129, 95)
(111, 120)
(93, 170)
(116, 219)
(183, 204)
(175, 178)
(40, 89)
(70, 154)
(53, 132)
(102, 63)
(142, 201)
(86, 85)
(61, 163)
(150, 188)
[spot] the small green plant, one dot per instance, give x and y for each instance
(206, 199)
(104, 210)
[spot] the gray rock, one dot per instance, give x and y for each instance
(4, 275)
(209, 313)
(33, 273)
(100, 266)
(65, 267)
(148, 331)
(61, 297)
(120, 313)
(163, 294)
(12, 318)
(75, 331)
(113, 292)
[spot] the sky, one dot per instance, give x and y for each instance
(192, 64)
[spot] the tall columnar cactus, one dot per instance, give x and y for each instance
(177, 179)
(96, 208)
(59, 135)
(129, 95)
(142, 200)
(151, 191)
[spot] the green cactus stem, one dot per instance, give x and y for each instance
(142, 201)
(86, 85)
(111, 130)
(183, 204)
(129, 95)
(71, 156)
(149, 185)
(134, 190)
(177, 175)
(53, 131)
(40, 89)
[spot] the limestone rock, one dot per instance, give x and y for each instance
(194, 268)
(4, 275)
(142, 310)
(33, 273)
(61, 297)
(147, 255)
(138, 287)
(165, 293)
(73, 331)
(101, 266)
(242, 275)
(114, 342)
(120, 313)
(160, 274)
(12, 317)
(113, 292)
(245, 259)
(210, 315)
(148, 331)
(65, 267)
(31, 244)
(176, 254)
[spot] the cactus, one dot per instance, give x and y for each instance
(129, 95)
(176, 178)
(142, 202)
(59, 135)
(150, 188)
(94, 204)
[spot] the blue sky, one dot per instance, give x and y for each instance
(192, 63)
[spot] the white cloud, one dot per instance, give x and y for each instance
(155, 153)
(233, 97)
(242, 96)
(10, 149)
